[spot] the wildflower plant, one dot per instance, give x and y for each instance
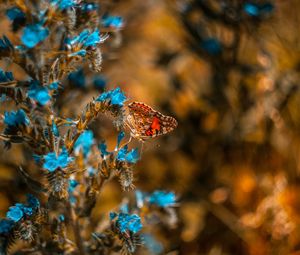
(54, 40)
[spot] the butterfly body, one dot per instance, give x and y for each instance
(145, 122)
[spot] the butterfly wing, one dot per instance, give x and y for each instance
(145, 122)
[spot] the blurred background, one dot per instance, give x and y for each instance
(228, 71)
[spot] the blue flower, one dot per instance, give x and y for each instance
(103, 149)
(115, 97)
(72, 185)
(61, 217)
(32, 201)
(34, 34)
(16, 118)
(255, 10)
(77, 78)
(92, 39)
(15, 13)
(122, 153)
(52, 162)
(212, 46)
(87, 7)
(6, 226)
(15, 213)
(112, 215)
(53, 85)
(86, 38)
(112, 21)
(63, 4)
(162, 198)
(85, 141)
(38, 93)
(27, 210)
(6, 76)
(125, 221)
(130, 157)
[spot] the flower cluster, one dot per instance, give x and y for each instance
(18, 212)
(53, 40)
(16, 118)
(127, 222)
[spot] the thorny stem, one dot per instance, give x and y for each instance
(82, 128)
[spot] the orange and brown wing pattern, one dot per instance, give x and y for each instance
(146, 122)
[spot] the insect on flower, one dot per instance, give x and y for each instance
(144, 122)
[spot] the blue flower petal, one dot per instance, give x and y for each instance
(34, 34)
(132, 156)
(15, 213)
(162, 198)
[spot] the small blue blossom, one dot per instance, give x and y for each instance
(122, 153)
(34, 34)
(15, 13)
(256, 10)
(72, 185)
(64, 4)
(26, 210)
(112, 21)
(6, 226)
(103, 149)
(61, 217)
(127, 222)
(37, 158)
(52, 162)
(88, 7)
(38, 93)
(112, 215)
(212, 46)
(32, 201)
(86, 38)
(251, 9)
(92, 39)
(77, 78)
(6, 76)
(53, 85)
(13, 118)
(130, 157)
(15, 213)
(162, 198)
(85, 141)
(115, 97)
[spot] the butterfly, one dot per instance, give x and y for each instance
(144, 122)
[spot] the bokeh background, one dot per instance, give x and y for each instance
(230, 76)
